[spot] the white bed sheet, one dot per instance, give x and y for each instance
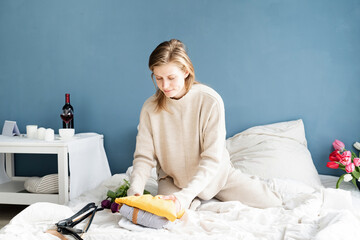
(308, 213)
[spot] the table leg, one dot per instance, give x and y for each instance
(63, 176)
(10, 168)
(3, 175)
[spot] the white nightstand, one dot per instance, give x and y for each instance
(13, 191)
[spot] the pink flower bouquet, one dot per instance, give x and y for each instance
(346, 161)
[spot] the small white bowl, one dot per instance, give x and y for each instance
(66, 133)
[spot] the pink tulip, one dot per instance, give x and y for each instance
(350, 168)
(346, 158)
(356, 161)
(338, 145)
(332, 165)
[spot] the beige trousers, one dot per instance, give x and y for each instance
(249, 190)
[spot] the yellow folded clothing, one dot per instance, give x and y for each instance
(155, 205)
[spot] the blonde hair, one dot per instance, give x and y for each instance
(173, 51)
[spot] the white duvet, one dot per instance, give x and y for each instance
(308, 213)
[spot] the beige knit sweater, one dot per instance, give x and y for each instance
(187, 144)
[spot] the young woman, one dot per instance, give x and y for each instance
(182, 133)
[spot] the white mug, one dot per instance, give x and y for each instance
(31, 131)
(49, 134)
(41, 133)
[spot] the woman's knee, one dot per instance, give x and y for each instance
(249, 190)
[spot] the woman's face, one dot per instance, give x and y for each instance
(170, 79)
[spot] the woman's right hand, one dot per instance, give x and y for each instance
(131, 192)
(175, 200)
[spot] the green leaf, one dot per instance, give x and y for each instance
(354, 182)
(342, 167)
(353, 155)
(121, 191)
(127, 182)
(341, 178)
(111, 194)
(356, 174)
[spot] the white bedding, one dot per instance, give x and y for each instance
(308, 213)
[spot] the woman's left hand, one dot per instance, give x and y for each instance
(175, 200)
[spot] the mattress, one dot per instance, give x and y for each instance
(307, 213)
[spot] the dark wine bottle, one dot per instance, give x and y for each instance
(67, 115)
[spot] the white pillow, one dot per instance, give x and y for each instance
(45, 184)
(274, 151)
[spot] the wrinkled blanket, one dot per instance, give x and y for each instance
(307, 213)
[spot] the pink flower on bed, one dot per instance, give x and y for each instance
(350, 168)
(106, 203)
(356, 162)
(338, 145)
(114, 207)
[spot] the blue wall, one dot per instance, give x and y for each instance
(271, 61)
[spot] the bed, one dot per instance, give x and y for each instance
(276, 153)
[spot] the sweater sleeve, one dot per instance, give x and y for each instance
(144, 159)
(214, 134)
